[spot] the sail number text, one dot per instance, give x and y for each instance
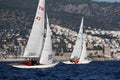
(49, 56)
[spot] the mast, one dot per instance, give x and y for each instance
(34, 44)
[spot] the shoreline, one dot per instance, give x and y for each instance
(11, 60)
(18, 60)
(64, 57)
(58, 59)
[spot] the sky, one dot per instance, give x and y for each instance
(108, 0)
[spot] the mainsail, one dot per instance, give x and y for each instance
(46, 55)
(78, 45)
(34, 45)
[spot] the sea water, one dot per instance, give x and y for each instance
(97, 70)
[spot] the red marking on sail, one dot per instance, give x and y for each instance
(40, 8)
(38, 18)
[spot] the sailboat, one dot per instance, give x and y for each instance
(79, 54)
(38, 48)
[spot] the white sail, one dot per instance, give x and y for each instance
(46, 55)
(79, 54)
(83, 56)
(34, 45)
(78, 45)
(39, 51)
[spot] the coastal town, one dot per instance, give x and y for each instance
(100, 43)
(13, 38)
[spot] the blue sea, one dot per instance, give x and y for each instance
(97, 70)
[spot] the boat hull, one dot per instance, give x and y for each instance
(85, 62)
(34, 66)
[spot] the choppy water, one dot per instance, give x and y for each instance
(93, 71)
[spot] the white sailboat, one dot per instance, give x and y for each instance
(38, 48)
(79, 54)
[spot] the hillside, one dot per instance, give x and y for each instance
(68, 13)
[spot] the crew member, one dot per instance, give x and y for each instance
(76, 61)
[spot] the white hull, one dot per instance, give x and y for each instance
(85, 62)
(34, 66)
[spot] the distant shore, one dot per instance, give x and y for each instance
(11, 60)
(64, 57)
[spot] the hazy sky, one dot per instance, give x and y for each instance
(108, 0)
